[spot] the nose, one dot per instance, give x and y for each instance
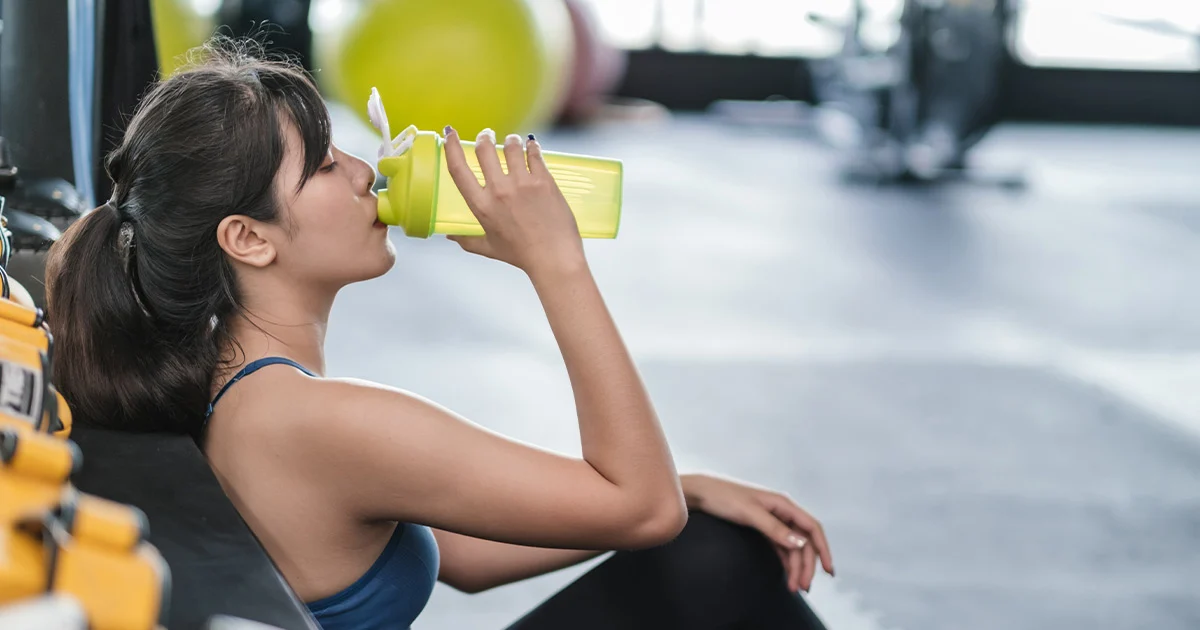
(364, 175)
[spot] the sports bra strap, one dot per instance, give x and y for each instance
(250, 368)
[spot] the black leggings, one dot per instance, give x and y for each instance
(714, 576)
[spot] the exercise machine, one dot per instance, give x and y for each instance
(47, 74)
(913, 88)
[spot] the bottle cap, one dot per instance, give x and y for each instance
(410, 162)
(411, 192)
(378, 116)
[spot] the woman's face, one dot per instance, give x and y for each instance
(334, 236)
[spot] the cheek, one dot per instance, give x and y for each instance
(333, 214)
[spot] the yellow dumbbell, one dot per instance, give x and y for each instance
(59, 424)
(31, 317)
(100, 521)
(33, 474)
(118, 590)
(36, 336)
(56, 415)
(37, 456)
(23, 383)
(24, 563)
(22, 315)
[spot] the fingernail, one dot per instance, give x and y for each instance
(531, 138)
(489, 133)
(447, 131)
(796, 541)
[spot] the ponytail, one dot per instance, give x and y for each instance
(139, 294)
(111, 363)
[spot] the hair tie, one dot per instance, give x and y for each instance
(125, 241)
(127, 250)
(125, 233)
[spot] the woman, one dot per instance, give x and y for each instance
(234, 223)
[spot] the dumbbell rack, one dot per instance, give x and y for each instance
(69, 559)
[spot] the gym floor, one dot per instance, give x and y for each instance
(989, 397)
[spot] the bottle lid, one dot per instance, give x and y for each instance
(411, 192)
(378, 116)
(410, 162)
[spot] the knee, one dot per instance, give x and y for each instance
(714, 555)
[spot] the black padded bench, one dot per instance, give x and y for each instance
(217, 565)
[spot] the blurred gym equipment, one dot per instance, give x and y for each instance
(67, 559)
(473, 64)
(47, 72)
(180, 25)
(283, 22)
(911, 92)
(597, 68)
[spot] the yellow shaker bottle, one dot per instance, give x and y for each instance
(422, 199)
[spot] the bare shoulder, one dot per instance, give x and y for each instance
(309, 426)
(338, 417)
(374, 452)
(354, 401)
(295, 411)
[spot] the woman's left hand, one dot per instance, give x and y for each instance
(798, 538)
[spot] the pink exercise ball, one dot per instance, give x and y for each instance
(598, 67)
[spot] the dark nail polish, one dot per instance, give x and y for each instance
(448, 130)
(531, 138)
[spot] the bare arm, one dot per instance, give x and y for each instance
(473, 565)
(384, 454)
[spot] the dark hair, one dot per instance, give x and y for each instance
(139, 293)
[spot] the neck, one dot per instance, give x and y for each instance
(283, 321)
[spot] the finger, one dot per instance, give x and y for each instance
(808, 567)
(489, 161)
(473, 244)
(786, 510)
(775, 529)
(533, 153)
(514, 157)
(460, 171)
(795, 570)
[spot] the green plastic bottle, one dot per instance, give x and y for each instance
(422, 198)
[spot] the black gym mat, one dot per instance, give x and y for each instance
(217, 566)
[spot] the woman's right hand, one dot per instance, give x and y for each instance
(526, 220)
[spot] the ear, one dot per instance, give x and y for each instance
(247, 241)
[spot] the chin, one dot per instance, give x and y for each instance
(381, 261)
(387, 260)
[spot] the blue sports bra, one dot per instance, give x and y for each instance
(397, 586)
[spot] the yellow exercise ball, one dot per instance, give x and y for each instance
(179, 26)
(473, 64)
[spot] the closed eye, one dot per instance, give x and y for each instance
(329, 167)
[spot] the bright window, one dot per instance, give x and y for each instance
(1134, 34)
